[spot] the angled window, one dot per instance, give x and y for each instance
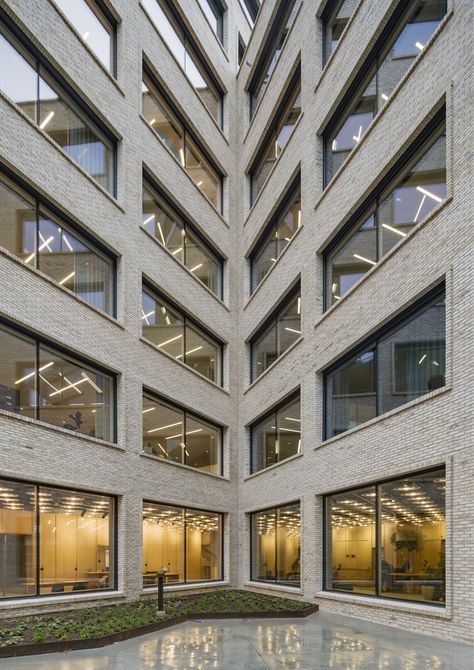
(189, 542)
(405, 360)
(271, 51)
(277, 236)
(177, 435)
(275, 545)
(241, 49)
(277, 334)
(41, 382)
(96, 26)
(181, 239)
(389, 539)
(35, 88)
(168, 23)
(276, 137)
(55, 541)
(168, 125)
(401, 41)
(250, 8)
(334, 22)
(174, 332)
(412, 189)
(276, 436)
(44, 241)
(214, 11)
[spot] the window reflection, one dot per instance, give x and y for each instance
(276, 545)
(187, 542)
(215, 15)
(277, 436)
(335, 23)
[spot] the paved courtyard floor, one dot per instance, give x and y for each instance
(320, 642)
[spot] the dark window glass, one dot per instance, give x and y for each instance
(188, 543)
(178, 140)
(75, 533)
(177, 435)
(386, 69)
(276, 337)
(389, 540)
(334, 24)
(417, 189)
(94, 28)
(276, 545)
(277, 436)
(401, 364)
(173, 332)
(185, 52)
(275, 240)
(250, 8)
(215, 15)
(242, 47)
(174, 233)
(276, 140)
(34, 89)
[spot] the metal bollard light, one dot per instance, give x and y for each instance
(161, 600)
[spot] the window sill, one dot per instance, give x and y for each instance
(272, 586)
(272, 467)
(183, 365)
(63, 289)
(385, 416)
(181, 265)
(270, 367)
(190, 468)
(203, 195)
(170, 588)
(58, 429)
(386, 603)
(47, 600)
(257, 288)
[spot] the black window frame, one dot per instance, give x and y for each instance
(113, 497)
(155, 397)
(372, 342)
(69, 95)
(376, 484)
(218, 9)
(39, 341)
(390, 180)
(253, 8)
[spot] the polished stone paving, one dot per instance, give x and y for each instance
(320, 642)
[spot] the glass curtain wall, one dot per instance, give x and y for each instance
(389, 539)
(277, 436)
(165, 123)
(173, 332)
(174, 434)
(387, 68)
(186, 541)
(176, 235)
(335, 23)
(275, 240)
(73, 550)
(405, 362)
(31, 86)
(417, 189)
(276, 545)
(39, 382)
(164, 18)
(43, 241)
(276, 336)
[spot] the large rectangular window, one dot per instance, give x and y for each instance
(276, 236)
(276, 138)
(402, 40)
(38, 381)
(404, 361)
(177, 435)
(271, 51)
(95, 25)
(33, 86)
(171, 330)
(276, 545)
(334, 22)
(54, 541)
(171, 130)
(168, 23)
(276, 436)
(30, 230)
(276, 335)
(415, 186)
(389, 539)
(188, 542)
(182, 240)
